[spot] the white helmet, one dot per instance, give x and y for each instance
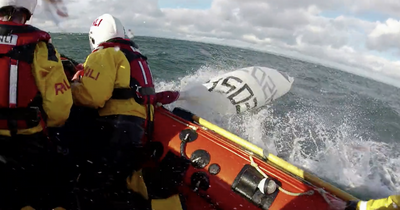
(104, 28)
(29, 5)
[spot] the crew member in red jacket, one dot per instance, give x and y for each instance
(35, 99)
(117, 82)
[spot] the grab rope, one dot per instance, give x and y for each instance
(255, 165)
(323, 194)
(310, 192)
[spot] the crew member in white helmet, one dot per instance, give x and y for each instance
(35, 99)
(117, 82)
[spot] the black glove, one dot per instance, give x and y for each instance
(351, 205)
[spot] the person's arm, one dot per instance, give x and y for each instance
(389, 203)
(52, 84)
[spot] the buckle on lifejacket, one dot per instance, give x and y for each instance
(145, 91)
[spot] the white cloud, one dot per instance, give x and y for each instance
(295, 27)
(385, 36)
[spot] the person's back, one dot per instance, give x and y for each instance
(106, 70)
(34, 98)
(117, 81)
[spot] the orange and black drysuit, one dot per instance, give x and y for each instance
(117, 82)
(35, 96)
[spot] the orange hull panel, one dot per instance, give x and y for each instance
(231, 160)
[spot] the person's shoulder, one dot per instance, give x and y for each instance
(46, 49)
(33, 28)
(109, 51)
(102, 55)
(29, 29)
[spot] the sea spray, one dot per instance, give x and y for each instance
(337, 152)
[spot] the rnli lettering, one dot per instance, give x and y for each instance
(9, 40)
(91, 74)
(97, 22)
(61, 87)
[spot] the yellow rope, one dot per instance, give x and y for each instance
(255, 165)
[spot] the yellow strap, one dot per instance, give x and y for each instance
(276, 160)
(27, 208)
(136, 184)
(171, 203)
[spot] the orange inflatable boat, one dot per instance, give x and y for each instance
(227, 172)
(223, 171)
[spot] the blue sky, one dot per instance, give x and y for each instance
(366, 15)
(206, 4)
